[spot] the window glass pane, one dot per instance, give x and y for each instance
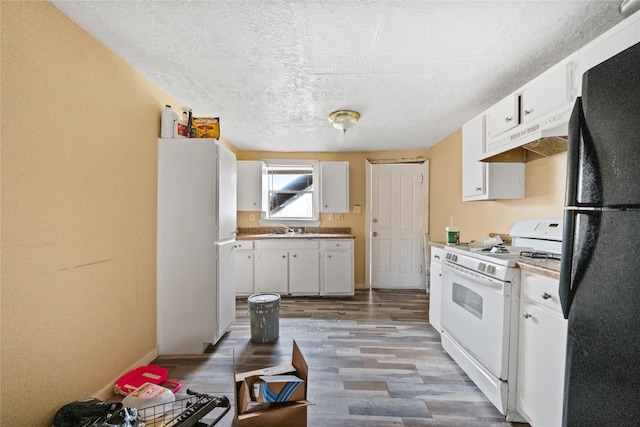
(290, 191)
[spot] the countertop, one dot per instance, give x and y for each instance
(265, 233)
(548, 268)
(263, 236)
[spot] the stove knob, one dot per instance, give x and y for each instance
(481, 266)
(448, 255)
(491, 269)
(454, 258)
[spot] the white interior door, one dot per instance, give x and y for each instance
(395, 228)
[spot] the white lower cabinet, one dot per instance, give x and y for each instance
(541, 351)
(337, 267)
(244, 267)
(304, 272)
(296, 267)
(435, 287)
(288, 266)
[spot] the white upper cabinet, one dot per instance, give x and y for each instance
(486, 181)
(250, 185)
(473, 171)
(554, 89)
(503, 116)
(334, 186)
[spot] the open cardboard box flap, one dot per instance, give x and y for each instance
(291, 414)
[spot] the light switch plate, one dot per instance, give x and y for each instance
(357, 208)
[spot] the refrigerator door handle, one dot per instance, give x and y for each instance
(573, 153)
(566, 261)
(581, 231)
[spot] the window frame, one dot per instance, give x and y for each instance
(315, 198)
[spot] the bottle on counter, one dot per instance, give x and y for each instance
(453, 235)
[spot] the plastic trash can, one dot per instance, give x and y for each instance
(264, 316)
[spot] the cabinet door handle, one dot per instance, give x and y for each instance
(436, 256)
(508, 119)
(478, 188)
(328, 256)
(526, 315)
(294, 255)
(284, 256)
(526, 112)
(545, 295)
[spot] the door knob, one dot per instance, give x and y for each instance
(375, 220)
(374, 234)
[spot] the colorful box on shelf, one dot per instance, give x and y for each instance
(207, 127)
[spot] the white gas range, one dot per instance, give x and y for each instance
(480, 297)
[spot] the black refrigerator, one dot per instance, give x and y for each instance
(600, 268)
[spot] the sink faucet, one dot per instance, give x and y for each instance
(289, 229)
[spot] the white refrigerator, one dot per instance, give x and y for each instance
(195, 243)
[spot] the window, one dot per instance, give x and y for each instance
(292, 188)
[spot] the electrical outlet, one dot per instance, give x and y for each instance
(340, 216)
(330, 217)
(357, 208)
(252, 217)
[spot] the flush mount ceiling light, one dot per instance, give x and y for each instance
(344, 119)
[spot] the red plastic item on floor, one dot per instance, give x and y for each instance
(143, 374)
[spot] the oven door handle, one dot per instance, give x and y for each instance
(468, 274)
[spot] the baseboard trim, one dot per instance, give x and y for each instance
(107, 391)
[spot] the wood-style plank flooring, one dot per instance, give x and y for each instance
(374, 360)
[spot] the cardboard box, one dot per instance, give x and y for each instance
(249, 413)
(207, 127)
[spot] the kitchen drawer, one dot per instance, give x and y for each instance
(287, 244)
(344, 244)
(541, 290)
(244, 245)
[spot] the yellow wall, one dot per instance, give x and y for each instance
(544, 195)
(79, 130)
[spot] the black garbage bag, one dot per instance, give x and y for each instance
(95, 413)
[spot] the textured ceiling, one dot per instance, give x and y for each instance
(274, 70)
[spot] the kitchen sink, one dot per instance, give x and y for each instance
(290, 235)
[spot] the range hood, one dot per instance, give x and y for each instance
(531, 141)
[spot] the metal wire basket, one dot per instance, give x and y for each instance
(186, 412)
